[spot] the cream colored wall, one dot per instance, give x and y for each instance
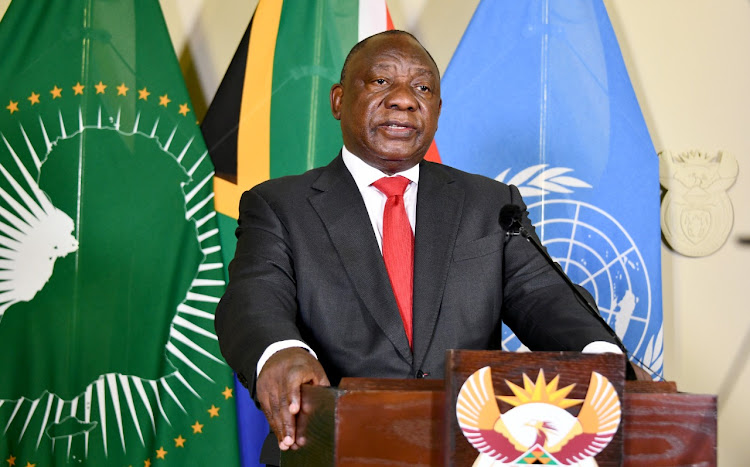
(689, 61)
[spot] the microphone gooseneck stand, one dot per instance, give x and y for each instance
(510, 221)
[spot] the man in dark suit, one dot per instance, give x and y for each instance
(313, 295)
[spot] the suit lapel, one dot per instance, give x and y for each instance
(439, 207)
(341, 208)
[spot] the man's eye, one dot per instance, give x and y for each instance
(380, 81)
(423, 88)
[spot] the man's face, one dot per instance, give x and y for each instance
(389, 103)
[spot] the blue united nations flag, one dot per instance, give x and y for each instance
(537, 95)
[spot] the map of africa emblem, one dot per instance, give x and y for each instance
(110, 269)
(596, 252)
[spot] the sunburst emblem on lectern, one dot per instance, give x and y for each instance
(538, 429)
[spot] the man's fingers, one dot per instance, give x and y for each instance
(287, 387)
(324, 381)
(278, 390)
(302, 418)
(641, 374)
(271, 408)
(294, 395)
(318, 376)
(280, 420)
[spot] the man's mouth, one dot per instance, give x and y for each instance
(397, 127)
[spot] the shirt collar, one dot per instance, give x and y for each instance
(365, 175)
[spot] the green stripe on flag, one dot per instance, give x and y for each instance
(312, 43)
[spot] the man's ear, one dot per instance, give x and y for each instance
(337, 93)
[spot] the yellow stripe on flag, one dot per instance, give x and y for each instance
(254, 132)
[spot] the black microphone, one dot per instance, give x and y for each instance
(510, 214)
(510, 221)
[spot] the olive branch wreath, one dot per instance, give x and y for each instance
(539, 180)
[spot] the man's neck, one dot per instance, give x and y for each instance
(387, 169)
(365, 173)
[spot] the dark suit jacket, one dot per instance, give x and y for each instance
(308, 267)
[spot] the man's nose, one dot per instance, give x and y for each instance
(401, 97)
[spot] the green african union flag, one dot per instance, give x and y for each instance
(110, 261)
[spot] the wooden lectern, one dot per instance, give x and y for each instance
(367, 421)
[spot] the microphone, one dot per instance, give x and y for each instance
(510, 221)
(510, 214)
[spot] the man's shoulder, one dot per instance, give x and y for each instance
(289, 181)
(288, 186)
(468, 180)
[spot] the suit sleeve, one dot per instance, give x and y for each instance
(259, 306)
(538, 305)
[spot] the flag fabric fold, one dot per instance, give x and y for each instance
(110, 260)
(537, 95)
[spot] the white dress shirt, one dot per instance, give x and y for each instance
(365, 175)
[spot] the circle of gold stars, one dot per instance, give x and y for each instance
(161, 453)
(100, 88)
(11, 460)
(143, 94)
(197, 429)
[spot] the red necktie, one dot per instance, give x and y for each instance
(398, 246)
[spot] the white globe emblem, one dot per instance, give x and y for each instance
(596, 252)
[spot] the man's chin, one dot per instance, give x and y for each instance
(393, 164)
(391, 158)
(394, 152)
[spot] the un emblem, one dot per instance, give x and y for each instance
(597, 252)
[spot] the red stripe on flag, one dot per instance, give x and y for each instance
(388, 20)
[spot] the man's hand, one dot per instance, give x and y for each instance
(278, 391)
(641, 374)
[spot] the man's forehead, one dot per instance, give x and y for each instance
(387, 64)
(390, 51)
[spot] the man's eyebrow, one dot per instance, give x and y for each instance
(383, 66)
(419, 70)
(425, 71)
